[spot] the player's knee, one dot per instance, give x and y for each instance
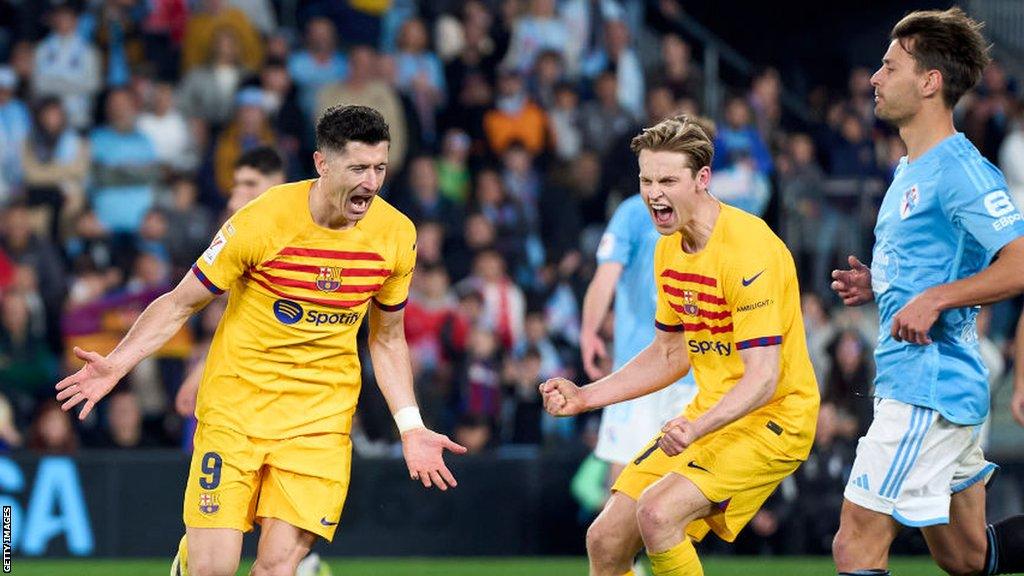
(211, 565)
(842, 547)
(653, 518)
(604, 544)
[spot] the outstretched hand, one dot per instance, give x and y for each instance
(853, 285)
(562, 397)
(424, 456)
(90, 384)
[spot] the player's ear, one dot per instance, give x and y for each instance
(931, 84)
(320, 162)
(703, 178)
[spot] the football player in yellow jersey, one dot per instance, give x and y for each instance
(729, 306)
(304, 263)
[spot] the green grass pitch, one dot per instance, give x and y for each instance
(713, 566)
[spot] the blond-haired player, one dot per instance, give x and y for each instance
(729, 306)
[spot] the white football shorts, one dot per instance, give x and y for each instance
(627, 427)
(912, 460)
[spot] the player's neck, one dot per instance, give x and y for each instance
(327, 211)
(697, 229)
(925, 130)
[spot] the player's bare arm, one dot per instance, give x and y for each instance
(1017, 401)
(595, 307)
(999, 281)
(854, 284)
(658, 365)
(761, 367)
(155, 326)
(423, 449)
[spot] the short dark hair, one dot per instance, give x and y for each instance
(263, 159)
(948, 41)
(339, 125)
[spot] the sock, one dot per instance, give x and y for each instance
(1005, 553)
(630, 573)
(679, 560)
(871, 572)
(180, 565)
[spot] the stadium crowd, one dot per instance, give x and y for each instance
(121, 122)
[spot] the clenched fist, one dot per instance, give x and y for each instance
(562, 397)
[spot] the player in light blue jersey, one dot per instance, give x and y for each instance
(948, 239)
(625, 268)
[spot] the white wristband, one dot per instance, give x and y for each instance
(408, 418)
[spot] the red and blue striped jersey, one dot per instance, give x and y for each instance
(739, 292)
(283, 361)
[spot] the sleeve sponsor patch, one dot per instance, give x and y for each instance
(219, 241)
(606, 246)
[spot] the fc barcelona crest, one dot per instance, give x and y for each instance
(329, 278)
(209, 503)
(689, 303)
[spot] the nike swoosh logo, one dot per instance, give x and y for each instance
(693, 464)
(326, 523)
(748, 282)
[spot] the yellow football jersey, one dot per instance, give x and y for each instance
(740, 292)
(283, 361)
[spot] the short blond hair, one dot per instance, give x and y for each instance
(691, 136)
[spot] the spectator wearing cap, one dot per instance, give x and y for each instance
(208, 91)
(206, 22)
(249, 128)
(318, 64)
(67, 65)
(14, 128)
(124, 167)
(56, 161)
(515, 117)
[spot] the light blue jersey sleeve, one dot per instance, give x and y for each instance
(622, 236)
(976, 201)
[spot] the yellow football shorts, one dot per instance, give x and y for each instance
(735, 467)
(235, 480)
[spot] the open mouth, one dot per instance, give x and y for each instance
(663, 213)
(360, 203)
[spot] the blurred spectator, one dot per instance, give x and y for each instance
(802, 190)
(319, 64)
(987, 112)
(582, 183)
(584, 22)
(208, 91)
(116, 28)
(249, 129)
(28, 368)
(67, 66)
(851, 150)
(763, 98)
(281, 103)
(538, 340)
(166, 127)
(124, 427)
(548, 72)
(52, 431)
(507, 215)
(10, 438)
(419, 76)
(566, 122)
(56, 166)
(604, 120)
(474, 432)
(211, 18)
(1011, 155)
(677, 71)
(515, 117)
(22, 62)
(504, 303)
(453, 172)
(38, 267)
(862, 95)
(522, 182)
(260, 13)
(540, 29)
(481, 377)
(423, 199)
(362, 87)
(820, 332)
(15, 125)
(617, 56)
(256, 171)
(848, 385)
(524, 408)
(164, 28)
(124, 167)
(738, 139)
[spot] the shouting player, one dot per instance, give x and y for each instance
(729, 305)
(945, 217)
(304, 263)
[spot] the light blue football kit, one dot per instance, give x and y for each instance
(630, 240)
(945, 217)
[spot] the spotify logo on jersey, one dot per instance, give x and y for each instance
(287, 312)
